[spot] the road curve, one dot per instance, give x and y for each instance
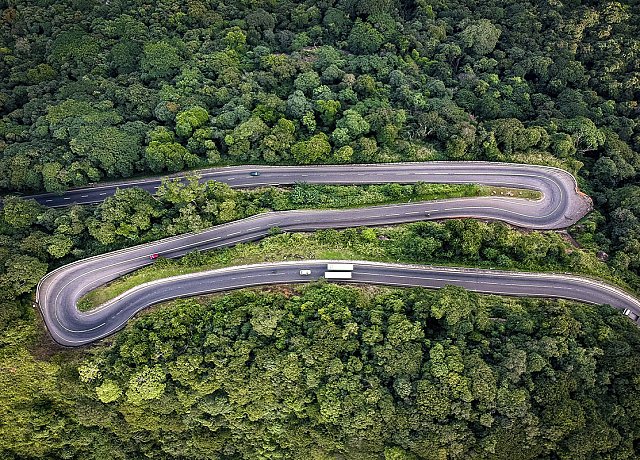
(561, 206)
(70, 327)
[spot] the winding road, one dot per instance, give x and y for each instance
(561, 205)
(73, 328)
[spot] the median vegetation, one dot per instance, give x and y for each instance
(36, 239)
(455, 242)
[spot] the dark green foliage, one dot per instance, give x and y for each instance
(84, 85)
(133, 215)
(94, 90)
(364, 38)
(327, 371)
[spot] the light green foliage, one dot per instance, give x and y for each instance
(188, 120)
(350, 127)
(66, 118)
(110, 149)
(127, 214)
(309, 121)
(53, 177)
(265, 321)
(344, 154)
(254, 360)
(144, 385)
(75, 46)
(21, 274)
(481, 36)
(586, 136)
(328, 110)
(32, 401)
(59, 245)
(242, 142)
(98, 146)
(40, 73)
(235, 39)
(108, 391)
(453, 305)
(164, 154)
(317, 148)
(89, 372)
(20, 213)
(277, 144)
(307, 82)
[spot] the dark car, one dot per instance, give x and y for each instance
(254, 173)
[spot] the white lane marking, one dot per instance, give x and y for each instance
(420, 276)
(452, 168)
(194, 244)
(83, 330)
(546, 179)
(97, 280)
(260, 217)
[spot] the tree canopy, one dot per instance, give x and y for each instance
(100, 90)
(330, 371)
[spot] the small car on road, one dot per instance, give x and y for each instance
(254, 173)
(153, 256)
(305, 272)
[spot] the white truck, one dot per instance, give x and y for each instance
(630, 314)
(337, 275)
(340, 267)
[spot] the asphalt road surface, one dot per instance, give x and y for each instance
(70, 327)
(562, 205)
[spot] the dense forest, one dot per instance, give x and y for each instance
(100, 90)
(328, 372)
(96, 90)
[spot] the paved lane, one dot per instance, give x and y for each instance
(562, 205)
(73, 328)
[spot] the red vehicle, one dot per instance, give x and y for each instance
(153, 256)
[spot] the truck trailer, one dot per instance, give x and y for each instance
(340, 267)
